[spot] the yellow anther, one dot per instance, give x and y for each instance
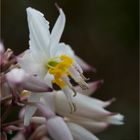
(60, 68)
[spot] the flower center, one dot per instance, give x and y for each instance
(59, 67)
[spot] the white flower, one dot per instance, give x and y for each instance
(90, 115)
(48, 58)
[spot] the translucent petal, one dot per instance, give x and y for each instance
(30, 110)
(62, 49)
(84, 65)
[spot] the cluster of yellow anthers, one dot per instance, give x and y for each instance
(60, 68)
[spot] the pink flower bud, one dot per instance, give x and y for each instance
(18, 78)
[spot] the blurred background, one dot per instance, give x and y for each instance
(105, 34)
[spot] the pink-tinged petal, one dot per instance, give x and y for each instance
(91, 125)
(18, 136)
(116, 119)
(92, 87)
(58, 129)
(57, 29)
(84, 107)
(33, 66)
(20, 79)
(46, 111)
(30, 110)
(36, 85)
(80, 133)
(109, 102)
(84, 65)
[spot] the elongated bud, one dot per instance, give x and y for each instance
(53, 125)
(20, 79)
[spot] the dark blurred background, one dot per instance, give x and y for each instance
(102, 32)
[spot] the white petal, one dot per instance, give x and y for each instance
(30, 65)
(57, 129)
(45, 110)
(91, 125)
(39, 32)
(84, 107)
(84, 65)
(115, 119)
(62, 49)
(80, 133)
(49, 78)
(30, 110)
(57, 30)
(48, 100)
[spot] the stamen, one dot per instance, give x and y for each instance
(72, 107)
(67, 82)
(84, 77)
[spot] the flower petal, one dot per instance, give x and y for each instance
(30, 110)
(48, 100)
(18, 78)
(80, 133)
(31, 65)
(91, 125)
(39, 32)
(45, 110)
(84, 65)
(53, 125)
(114, 119)
(49, 78)
(85, 107)
(57, 29)
(62, 49)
